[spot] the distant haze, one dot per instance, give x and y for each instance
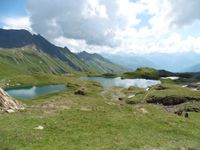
(176, 62)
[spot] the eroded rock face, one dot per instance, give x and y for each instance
(7, 103)
(171, 100)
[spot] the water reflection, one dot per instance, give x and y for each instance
(109, 82)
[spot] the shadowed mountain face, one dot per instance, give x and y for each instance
(15, 38)
(39, 50)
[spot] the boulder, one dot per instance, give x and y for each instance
(80, 92)
(10, 111)
(8, 104)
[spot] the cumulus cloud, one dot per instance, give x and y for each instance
(17, 23)
(173, 12)
(184, 12)
(114, 25)
(95, 21)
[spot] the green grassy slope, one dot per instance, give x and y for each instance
(27, 60)
(93, 121)
(97, 63)
(147, 73)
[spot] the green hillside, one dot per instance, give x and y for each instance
(27, 53)
(28, 60)
(99, 64)
(147, 73)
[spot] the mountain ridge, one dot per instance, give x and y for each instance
(56, 56)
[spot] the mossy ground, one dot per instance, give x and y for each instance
(94, 121)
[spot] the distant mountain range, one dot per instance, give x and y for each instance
(174, 62)
(131, 61)
(25, 52)
(194, 68)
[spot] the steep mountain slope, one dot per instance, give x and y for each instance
(99, 64)
(28, 53)
(29, 60)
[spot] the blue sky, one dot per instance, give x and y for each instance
(131, 26)
(12, 8)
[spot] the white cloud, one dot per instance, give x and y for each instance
(17, 23)
(110, 25)
(184, 12)
(95, 21)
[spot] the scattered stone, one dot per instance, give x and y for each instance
(131, 96)
(120, 98)
(144, 111)
(80, 92)
(39, 128)
(110, 103)
(184, 86)
(171, 100)
(10, 111)
(179, 113)
(18, 84)
(186, 114)
(194, 89)
(193, 109)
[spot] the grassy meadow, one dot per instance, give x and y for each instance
(95, 121)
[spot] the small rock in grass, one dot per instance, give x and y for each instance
(144, 111)
(39, 128)
(120, 98)
(131, 96)
(10, 111)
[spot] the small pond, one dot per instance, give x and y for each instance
(172, 78)
(125, 83)
(34, 91)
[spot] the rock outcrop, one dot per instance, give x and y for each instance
(171, 100)
(80, 92)
(8, 104)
